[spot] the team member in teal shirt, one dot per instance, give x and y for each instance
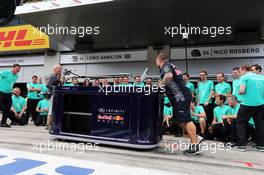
(96, 83)
(221, 110)
(236, 84)
(34, 89)
(138, 82)
(125, 81)
(75, 82)
(167, 112)
(205, 94)
(189, 85)
(43, 88)
(43, 109)
(233, 103)
(231, 119)
(220, 128)
(18, 108)
(222, 88)
(198, 117)
(252, 91)
(7, 81)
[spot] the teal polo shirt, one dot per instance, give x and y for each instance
(167, 111)
(219, 112)
(236, 109)
(69, 84)
(204, 90)
(222, 88)
(139, 84)
(33, 94)
(236, 87)
(197, 110)
(18, 103)
(190, 86)
(254, 93)
(43, 104)
(123, 84)
(44, 89)
(7, 81)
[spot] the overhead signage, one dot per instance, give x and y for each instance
(23, 37)
(52, 5)
(235, 51)
(22, 60)
(104, 57)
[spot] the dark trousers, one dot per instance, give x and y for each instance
(198, 128)
(233, 130)
(31, 109)
(244, 114)
(251, 132)
(209, 111)
(221, 132)
(20, 121)
(41, 120)
(5, 105)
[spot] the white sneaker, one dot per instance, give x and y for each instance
(200, 139)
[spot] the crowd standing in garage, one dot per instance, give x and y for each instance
(225, 112)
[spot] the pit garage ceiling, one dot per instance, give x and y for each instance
(140, 23)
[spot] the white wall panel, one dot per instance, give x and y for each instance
(29, 71)
(212, 66)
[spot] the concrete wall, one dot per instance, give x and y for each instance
(49, 63)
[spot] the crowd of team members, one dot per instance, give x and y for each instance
(37, 103)
(214, 108)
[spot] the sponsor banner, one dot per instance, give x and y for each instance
(55, 4)
(24, 37)
(235, 51)
(112, 116)
(104, 57)
(24, 61)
